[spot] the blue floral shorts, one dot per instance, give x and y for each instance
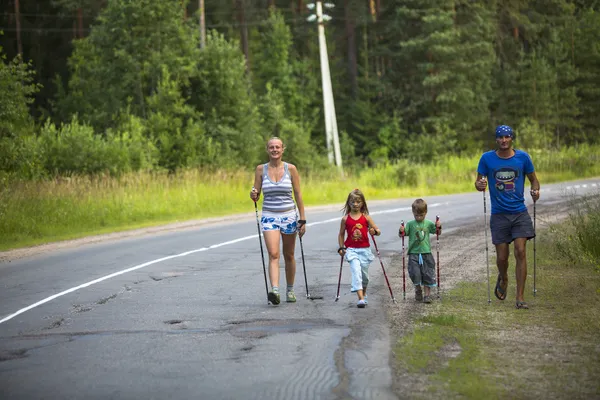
(285, 222)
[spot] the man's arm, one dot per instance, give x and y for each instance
(480, 182)
(535, 186)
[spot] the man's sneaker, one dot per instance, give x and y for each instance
(274, 298)
(427, 299)
(418, 293)
(290, 297)
(361, 304)
(365, 298)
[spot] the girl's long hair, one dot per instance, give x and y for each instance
(356, 193)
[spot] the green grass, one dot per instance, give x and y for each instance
(33, 213)
(469, 349)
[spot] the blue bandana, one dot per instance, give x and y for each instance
(504, 130)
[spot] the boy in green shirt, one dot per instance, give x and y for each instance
(421, 264)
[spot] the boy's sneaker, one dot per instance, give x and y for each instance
(365, 298)
(274, 298)
(361, 304)
(418, 293)
(427, 299)
(290, 297)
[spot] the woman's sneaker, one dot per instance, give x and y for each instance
(361, 304)
(290, 297)
(274, 298)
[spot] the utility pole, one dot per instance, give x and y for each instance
(202, 24)
(331, 130)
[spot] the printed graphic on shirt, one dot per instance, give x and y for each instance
(420, 234)
(356, 233)
(505, 179)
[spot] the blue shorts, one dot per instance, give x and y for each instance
(508, 227)
(285, 222)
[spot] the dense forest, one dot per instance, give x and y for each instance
(96, 86)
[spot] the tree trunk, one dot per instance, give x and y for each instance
(241, 16)
(351, 43)
(80, 23)
(18, 27)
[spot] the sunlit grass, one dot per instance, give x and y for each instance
(39, 212)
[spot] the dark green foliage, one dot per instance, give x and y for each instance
(412, 80)
(122, 60)
(16, 93)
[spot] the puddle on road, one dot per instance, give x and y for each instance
(263, 328)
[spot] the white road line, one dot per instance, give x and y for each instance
(187, 253)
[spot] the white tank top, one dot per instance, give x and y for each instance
(277, 196)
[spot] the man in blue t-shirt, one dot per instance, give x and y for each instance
(505, 168)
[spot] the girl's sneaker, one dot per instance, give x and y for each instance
(361, 304)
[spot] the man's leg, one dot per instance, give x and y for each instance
(502, 253)
(521, 269)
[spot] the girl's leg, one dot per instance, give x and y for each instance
(356, 273)
(272, 239)
(289, 247)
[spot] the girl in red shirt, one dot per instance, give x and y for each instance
(355, 228)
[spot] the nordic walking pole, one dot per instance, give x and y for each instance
(308, 296)
(403, 264)
(437, 234)
(262, 253)
(337, 296)
(534, 235)
(383, 268)
(487, 258)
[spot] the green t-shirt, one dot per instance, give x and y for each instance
(418, 236)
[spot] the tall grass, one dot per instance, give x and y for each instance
(35, 212)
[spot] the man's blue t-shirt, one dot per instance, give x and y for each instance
(506, 180)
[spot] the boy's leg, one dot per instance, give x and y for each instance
(428, 275)
(414, 272)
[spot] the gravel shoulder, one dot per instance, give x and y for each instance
(530, 356)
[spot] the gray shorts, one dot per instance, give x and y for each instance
(508, 227)
(422, 274)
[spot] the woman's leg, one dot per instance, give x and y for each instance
(289, 248)
(272, 239)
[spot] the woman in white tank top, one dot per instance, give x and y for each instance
(280, 219)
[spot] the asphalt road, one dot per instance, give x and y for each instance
(184, 314)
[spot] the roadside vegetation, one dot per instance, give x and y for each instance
(40, 211)
(466, 348)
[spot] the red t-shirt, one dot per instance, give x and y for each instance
(357, 232)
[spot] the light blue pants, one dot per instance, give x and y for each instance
(359, 259)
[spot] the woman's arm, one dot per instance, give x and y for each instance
(255, 192)
(297, 191)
